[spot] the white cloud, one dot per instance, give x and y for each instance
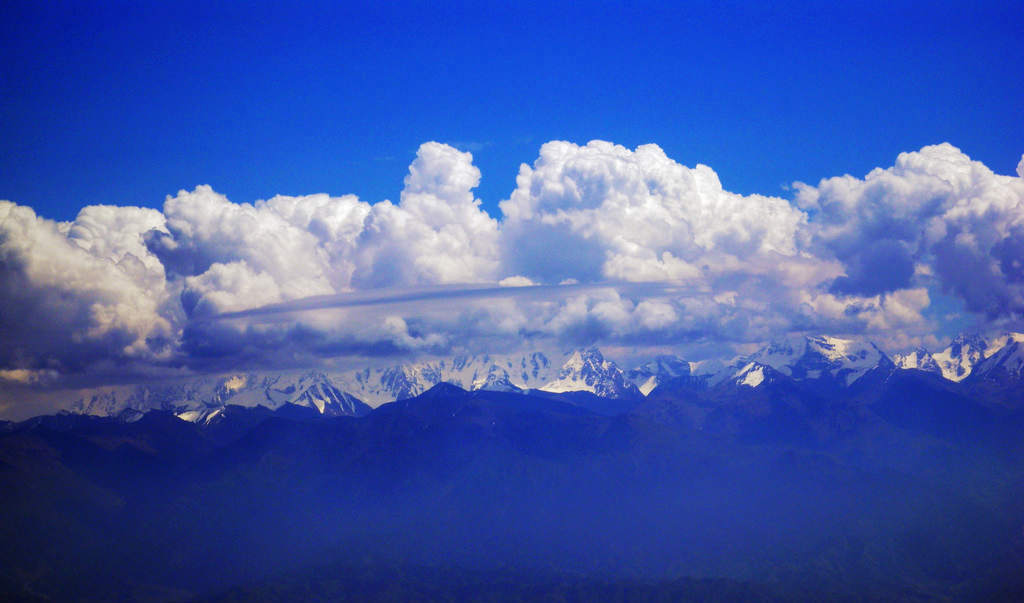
(934, 208)
(235, 255)
(296, 247)
(638, 216)
(646, 251)
(437, 234)
(516, 281)
(73, 290)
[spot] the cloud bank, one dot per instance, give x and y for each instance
(597, 244)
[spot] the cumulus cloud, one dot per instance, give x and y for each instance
(437, 234)
(597, 243)
(230, 256)
(934, 213)
(286, 248)
(74, 291)
(639, 216)
(602, 212)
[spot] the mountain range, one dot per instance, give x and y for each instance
(813, 471)
(826, 364)
(816, 468)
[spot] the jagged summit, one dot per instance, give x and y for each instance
(1003, 340)
(649, 375)
(471, 372)
(920, 359)
(579, 370)
(1006, 364)
(753, 374)
(822, 357)
(963, 355)
(823, 362)
(330, 401)
(964, 351)
(202, 398)
(588, 370)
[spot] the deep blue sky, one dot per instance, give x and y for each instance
(124, 104)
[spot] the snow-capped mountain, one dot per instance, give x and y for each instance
(920, 359)
(825, 362)
(330, 401)
(487, 372)
(649, 375)
(501, 373)
(202, 398)
(753, 374)
(958, 360)
(588, 370)
(581, 370)
(380, 385)
(313, 389)
(1005, 365)
(114, 401)
(822, 358)
(998, 343)
(964, 351)
(355, 392)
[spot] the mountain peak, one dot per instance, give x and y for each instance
(328, 400)
(822, 357)
(314, 376)
(1007, 364)
(998, 343)
(920, 359)
(584, 356)
(964, 352)
(656, 371)
(969, 339)
(754, 374)
(588, 370)
(443, 388)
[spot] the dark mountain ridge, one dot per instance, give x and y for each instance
(907, 487)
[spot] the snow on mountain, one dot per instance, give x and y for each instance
(649, 375)
(746, 373)
(201, 415)
(827, 360)
(311, 389)
(716, 370)
(113, 401)
(965, 352)
(588, 370)
(751, 375)
(1004, 340)
(920, 359)
(582, 370)
(822, 358)
(957, 360)
(379, 385)
(201, 398)
(330, 401)
(354, 392)
(1006, 364)
(497, 372)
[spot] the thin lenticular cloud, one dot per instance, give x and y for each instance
(445, 293)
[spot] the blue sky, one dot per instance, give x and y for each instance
(626, 236)
(126, 103)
